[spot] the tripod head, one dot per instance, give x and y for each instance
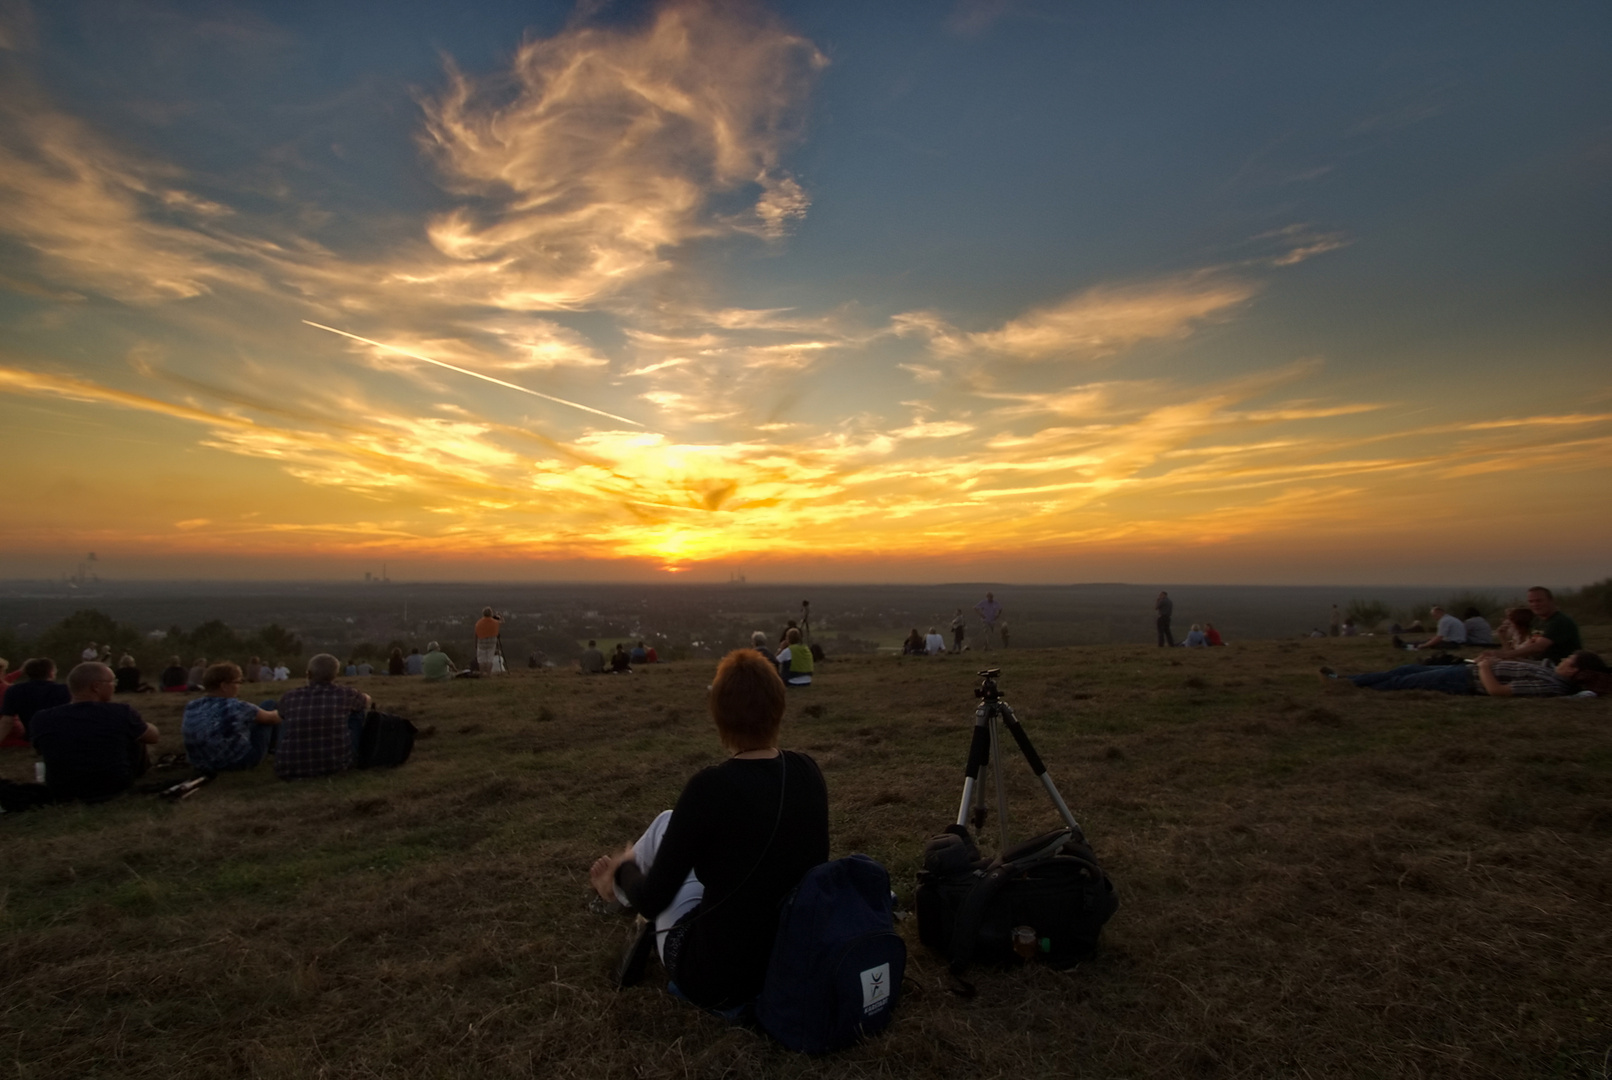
(986, 690)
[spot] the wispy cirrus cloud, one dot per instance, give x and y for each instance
(1094, 323)
(602, 149)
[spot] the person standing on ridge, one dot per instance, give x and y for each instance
(989, 611)
(488, 628)
(1164, 607)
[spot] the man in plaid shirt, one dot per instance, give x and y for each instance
(1497, 678)
(319, 724)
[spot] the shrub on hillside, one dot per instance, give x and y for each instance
(1367, 614)
(1592, 603)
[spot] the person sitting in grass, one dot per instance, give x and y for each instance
(914, 645)
(708, 875)
(620, 664)
(222, 732)
(1515, 628)
(93, 747)
(1196, 638)
(193, 677)
(1553, 635)
(758, 642)
(591, 661)
(394, 663)
(128, 676)
(435, 665)
(639, 654)
(39, 690)
(795, 660)
(414, 663)
(1478, 630)
(1497, 678)
(1451, 633)
(1212, 636)
(319, 724)
(934, 644)
(174, 677)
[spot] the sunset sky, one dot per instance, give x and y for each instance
(1017, 291)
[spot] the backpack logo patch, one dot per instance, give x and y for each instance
(875, 989)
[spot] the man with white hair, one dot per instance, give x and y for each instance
(1451, 633)
(319, 724)
(93, 747)
(436, 665)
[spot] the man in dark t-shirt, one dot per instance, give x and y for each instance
(93, 747)
(38, 691)
(1554, 637)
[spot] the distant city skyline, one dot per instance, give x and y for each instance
(992, 290)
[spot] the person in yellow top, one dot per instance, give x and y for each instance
(487, 630)
(795, 660)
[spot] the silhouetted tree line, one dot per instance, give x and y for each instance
(213, 639)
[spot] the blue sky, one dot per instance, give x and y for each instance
(1035, 291)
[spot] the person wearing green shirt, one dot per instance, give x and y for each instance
(1554, 637)
(436, 666)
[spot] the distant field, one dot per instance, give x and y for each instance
(696, 620)
(1315, 882)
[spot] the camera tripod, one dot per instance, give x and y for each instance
(986, 746)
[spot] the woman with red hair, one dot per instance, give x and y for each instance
(707, 876)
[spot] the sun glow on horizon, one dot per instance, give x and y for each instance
(613, 213)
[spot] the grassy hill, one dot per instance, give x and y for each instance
(1314, 881)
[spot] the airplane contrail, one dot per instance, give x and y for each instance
(472, 374)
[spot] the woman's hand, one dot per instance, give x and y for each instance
(602, 875)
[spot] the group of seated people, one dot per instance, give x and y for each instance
(1544, 659)
(794, 660)
(1203, 636)
(930, 644)
(94, 748)
(178, 679)
(1472, 629)
(620, 660)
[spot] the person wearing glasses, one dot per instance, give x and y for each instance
(222, 732)
(93, 747)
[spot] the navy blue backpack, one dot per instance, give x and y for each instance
(836, 967)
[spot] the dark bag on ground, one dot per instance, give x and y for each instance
(17, 797)
(387, 741)
(968, 906)
(837, 962)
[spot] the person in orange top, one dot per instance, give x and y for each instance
(487, 629)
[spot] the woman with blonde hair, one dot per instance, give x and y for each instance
(708, 875)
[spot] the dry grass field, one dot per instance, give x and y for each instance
(1315, 882)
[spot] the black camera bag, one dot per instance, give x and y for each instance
(968, 906)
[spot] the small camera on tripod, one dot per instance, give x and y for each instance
(986, 690)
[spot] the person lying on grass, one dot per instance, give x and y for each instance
(708, 874)
(222, 732)
(1497, 678)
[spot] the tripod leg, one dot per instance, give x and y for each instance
(1001, 790)
(1039, 768)
(978, 751)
